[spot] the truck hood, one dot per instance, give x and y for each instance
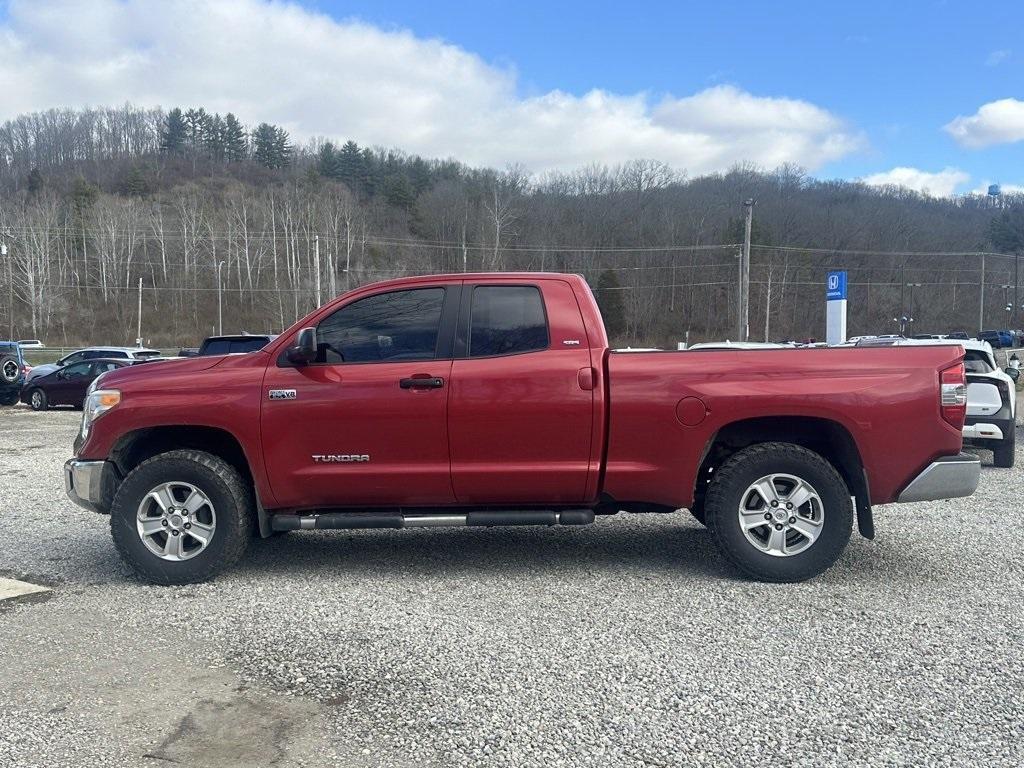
(158, 369)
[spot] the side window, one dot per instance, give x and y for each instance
(507, 320)
(388, 327)
(73, 358)
(77, 371)
(98, 368)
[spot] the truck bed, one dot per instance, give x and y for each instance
(673, 404)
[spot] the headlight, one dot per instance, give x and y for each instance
(97, 402)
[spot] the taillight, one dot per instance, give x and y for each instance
(953, 395)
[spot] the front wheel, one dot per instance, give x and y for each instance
(182, 517)
(38, 400)
(779, 512)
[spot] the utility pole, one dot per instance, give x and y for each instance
(10, 290)
(316, 265)
(138, 327)
(743, 325)
(1016, 288)
(220, 302)
(981, 301)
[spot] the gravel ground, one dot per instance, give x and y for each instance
(627, 643)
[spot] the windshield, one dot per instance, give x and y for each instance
(147, 353)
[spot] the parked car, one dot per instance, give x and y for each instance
(12, 372)
(998, 339)
(991, 404)
(68, 385)
(31, 344)
(493, 400)
(94, 353)
(234, 344)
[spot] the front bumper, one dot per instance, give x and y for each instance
(947, 478)
(83, 482)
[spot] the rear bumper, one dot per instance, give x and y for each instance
(984, 429)
(83, 482)
(947, 478)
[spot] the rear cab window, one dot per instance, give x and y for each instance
(506, 320)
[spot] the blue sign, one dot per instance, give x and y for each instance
(835, 288)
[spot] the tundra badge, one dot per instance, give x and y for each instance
(283, 394)
(340, 458)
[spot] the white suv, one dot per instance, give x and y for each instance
(991, 403)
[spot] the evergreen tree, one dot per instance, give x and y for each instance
(135, 183)
(398, 191)
(175, 132)
(197, 122)
(328, 162)
(351, 169)
(214, 138)
(235, 145)
(264, 139)
(282, 148)
(83, 195)
(609, 299)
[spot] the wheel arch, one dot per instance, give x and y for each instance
(826, 437)
(135, 447)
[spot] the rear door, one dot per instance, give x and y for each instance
(521, 401)
(366, 424)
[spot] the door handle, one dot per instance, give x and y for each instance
(421, 382)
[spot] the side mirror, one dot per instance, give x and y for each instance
(1013, 373)
(304, 351)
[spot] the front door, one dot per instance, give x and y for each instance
(69, 383)
(366, 424)
(521, 406)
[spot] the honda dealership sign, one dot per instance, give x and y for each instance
(835, 308)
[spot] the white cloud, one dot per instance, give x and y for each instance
(939, 184)
(286, 64)
(998, 122)
(996, 58)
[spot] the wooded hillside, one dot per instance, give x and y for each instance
(92, 200)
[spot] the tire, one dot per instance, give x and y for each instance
(37, 399)
(733, 486)
(1003, 456)
(229, 505)
(11, 399)
(10, 369)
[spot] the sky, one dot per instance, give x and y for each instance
(924, 94)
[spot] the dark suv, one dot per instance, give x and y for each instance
(12, 372)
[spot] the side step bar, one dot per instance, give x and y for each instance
(337, 520)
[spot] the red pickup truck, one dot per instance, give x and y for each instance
(493, 399)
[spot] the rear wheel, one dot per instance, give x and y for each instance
(37, 399)
(182, 517)
(779, 512)
(11, 399)
(1003, 456)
